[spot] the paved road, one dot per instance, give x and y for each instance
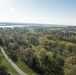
(12, 63)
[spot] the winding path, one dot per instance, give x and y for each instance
(12, 63)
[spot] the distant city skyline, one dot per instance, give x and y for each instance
(38, 11)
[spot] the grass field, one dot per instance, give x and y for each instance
(10, 69)
(25, 68)
(33, 46)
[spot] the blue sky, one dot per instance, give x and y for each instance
(38, 11)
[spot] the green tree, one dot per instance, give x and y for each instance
(43, 40)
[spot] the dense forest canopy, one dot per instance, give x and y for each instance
(47, 50)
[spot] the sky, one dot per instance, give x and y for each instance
(38, 11)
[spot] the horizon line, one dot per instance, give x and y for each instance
(40, 23)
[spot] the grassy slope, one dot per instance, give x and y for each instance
(10, 69)
(25, 68)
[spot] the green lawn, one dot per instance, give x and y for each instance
(10, 69)
(33, 46)
(25, 68)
